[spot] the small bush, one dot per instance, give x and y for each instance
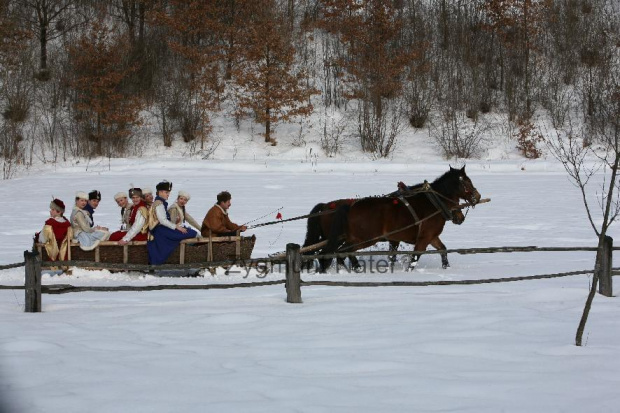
(15, 114)
(528, 140)
(43, 75)
(417, 120)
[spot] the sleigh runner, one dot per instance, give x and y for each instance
(194, 250)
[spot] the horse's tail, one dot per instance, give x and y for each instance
(338, 227)
(314, 233)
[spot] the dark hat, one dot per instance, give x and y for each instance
(164, 186)
(94, 194)
(135, 192)
(58, 205)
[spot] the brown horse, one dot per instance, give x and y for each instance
(320, 222)
(457, 218)
(415, 217)
(318, 228)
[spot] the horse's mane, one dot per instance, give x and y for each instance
(447, 184)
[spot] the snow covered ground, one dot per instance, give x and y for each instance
(478, 348)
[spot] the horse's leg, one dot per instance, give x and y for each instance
(315, 232)
(353, 261)
(393, 248)
(355, 264)
(337, 231)
(308, 265)
(438, 245)
(419, 246)
(324, 264)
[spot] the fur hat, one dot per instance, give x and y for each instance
(119, 195)
(58, 205)
(135, 192)
(147, 190)
(81, 195)
(184, 194)
(164, 186)
(94, 194)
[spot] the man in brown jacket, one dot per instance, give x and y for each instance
(217, 219)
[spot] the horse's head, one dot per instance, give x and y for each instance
(458, 217)
(467, 190)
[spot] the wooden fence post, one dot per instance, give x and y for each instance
(605, 286)
(293, 270)
(32, 284)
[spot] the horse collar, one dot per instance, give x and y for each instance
(440, 205)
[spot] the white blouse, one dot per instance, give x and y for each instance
(135, 228)
(160, 211)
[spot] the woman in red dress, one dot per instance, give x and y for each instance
(54, 232)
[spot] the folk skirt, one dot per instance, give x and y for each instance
(165, 241)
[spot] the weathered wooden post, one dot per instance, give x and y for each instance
(605, 284)
(293, 270)
(32, 284)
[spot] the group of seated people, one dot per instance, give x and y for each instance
(145, 218)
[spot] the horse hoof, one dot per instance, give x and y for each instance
(358, 269)
(444, 266)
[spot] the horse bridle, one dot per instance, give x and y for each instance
(469, 189)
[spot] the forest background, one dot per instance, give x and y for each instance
(91, 79)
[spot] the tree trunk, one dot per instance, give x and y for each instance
(591, 294)
(43, 46)
(267, 126)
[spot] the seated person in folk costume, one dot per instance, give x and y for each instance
(217, 221)
(84, 231)
(138, 225)
(178, 213)
(147, 195)
(165, 235)
(54, 232)
(94, 197)
(123, 203)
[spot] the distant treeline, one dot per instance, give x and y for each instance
(76, 76)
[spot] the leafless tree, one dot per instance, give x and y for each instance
(48, 20)
(457, 135)
(569, 149)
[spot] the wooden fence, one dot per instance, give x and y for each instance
(293, 261)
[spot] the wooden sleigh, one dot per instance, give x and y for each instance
(193, 250)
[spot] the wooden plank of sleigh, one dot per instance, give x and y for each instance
(190, 250)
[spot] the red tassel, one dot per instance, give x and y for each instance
(395, 201)
(279, 216)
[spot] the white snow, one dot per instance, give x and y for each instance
(469, 348)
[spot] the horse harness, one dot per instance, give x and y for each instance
(440, 205)
(433, 198)
(409, 207)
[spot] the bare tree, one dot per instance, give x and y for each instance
(48, 20)
(375, 60)
(457, 135)
(571, 151)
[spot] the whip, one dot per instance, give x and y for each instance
(316, 214)
(259, 218)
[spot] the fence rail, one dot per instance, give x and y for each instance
(9, 266)
(66, 288)
(462, 251)
(293, 283)
(450, 282)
